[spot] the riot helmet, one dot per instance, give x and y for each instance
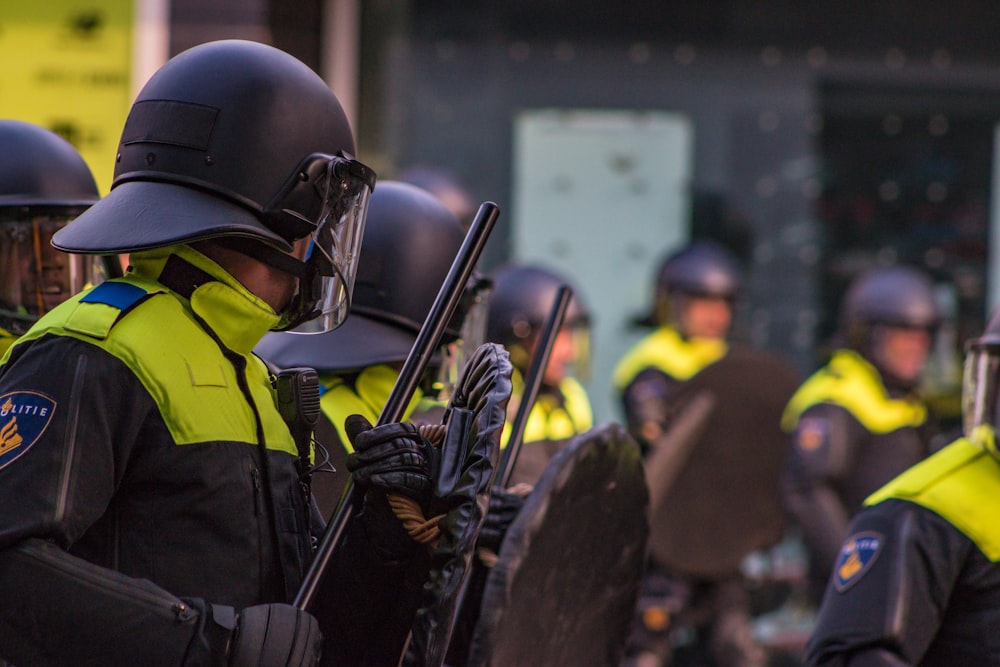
(410, 242)
(884, 299)
(44, 183)
(981, 386)
(702, 269)
(444, 185)
(520, 302)
(238, 141)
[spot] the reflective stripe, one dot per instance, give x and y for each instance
(193, 384)
(852, 383)
(667, 351)
(367, 397)
(553, 418)
(960, 483)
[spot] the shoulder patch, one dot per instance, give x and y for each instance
(24, 416)
(811, 434)
(117, 294)
(856, 557)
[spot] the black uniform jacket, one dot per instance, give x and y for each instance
(123, 519)
(917, 581)
(834, 463)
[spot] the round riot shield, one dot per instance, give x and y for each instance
(714, 473)
(564, 589)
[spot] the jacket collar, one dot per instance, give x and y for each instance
(237, 316)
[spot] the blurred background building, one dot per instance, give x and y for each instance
(814, 139)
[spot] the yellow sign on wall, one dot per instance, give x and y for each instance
(66, 65)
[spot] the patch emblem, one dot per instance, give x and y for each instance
(24, 416)
(811, 434)
(856, 557)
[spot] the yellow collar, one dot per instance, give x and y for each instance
(852, 383)
(367, 397)
(239, 317)
(666, 350)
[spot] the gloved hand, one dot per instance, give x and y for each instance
(393, 457)
(275, 635)
(503, 509)
(462, 486)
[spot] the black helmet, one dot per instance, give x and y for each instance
(44, 183)
(980, 385)
(237, 139)
(897, 296)
(410, 242)
(40, 168)
(702, 268)
(521, 300)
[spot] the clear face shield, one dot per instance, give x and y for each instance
(329, 195)
(570, 356)
(34, 276)
(472, 333)
(579, 366)
(979, 392)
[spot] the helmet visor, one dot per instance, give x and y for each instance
(34, 276)
(570, 355)
(979, 392)
(343, 187)
(472, 334)
(580, 366)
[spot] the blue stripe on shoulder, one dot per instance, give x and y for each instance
(117, 294)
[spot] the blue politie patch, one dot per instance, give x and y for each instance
(856, 557)
(24, 416)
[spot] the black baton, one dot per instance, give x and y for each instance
(533, 382)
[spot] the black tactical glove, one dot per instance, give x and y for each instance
(273, 635)
(503, 509)
(394, 458)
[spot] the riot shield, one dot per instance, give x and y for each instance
(714, 473)
(564, 588)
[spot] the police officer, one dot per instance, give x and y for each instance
(154, 512)
(859, 421)
(410, 242)
(696, 289)
(917, 580)
(521, 299)
(44, 183)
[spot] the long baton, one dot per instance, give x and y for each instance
(413, 369)
(533, 382)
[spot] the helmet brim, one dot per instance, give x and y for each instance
(358, 343)
(141, 215)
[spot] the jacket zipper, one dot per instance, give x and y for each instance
(255, 477)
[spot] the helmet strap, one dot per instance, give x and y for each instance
(267, 255)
